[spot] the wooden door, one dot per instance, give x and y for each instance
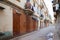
(27, 23)
(31, 24)
(35, 24)
(22, 24)
(16, 24)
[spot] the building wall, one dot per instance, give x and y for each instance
(6, 19)
(58, 24)
(20, 3)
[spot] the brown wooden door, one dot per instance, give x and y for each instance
(16, 24)
(22, 23)
(19, 23)
(29, 23)
(35, 24)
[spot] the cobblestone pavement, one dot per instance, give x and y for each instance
(39, 34)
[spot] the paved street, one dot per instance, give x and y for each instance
(40, 34)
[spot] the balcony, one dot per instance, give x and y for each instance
(28, 11)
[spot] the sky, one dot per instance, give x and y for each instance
(50, 8)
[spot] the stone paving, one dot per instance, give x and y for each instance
(39, 34)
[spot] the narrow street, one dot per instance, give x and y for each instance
(29, 20)
(40, 34)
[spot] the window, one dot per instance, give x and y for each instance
(54, 9)
(57, 6)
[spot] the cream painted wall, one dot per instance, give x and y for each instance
(21, 3)
(6, 19)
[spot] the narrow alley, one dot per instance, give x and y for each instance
(29, 19)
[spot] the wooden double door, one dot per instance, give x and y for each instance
(19, 23)
(31, 24)
(23, 24)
